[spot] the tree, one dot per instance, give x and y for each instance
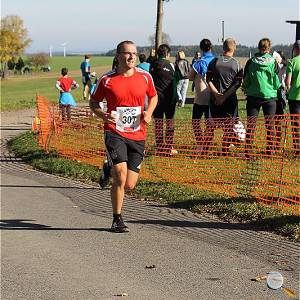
(11, 64)
(165, 39)
(14, 39)
(38, 60)
(20, 64)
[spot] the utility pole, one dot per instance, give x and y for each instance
(223, 32)
(159, 19)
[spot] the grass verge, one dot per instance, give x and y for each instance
(241, 210)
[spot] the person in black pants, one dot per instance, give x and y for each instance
(224, 77)
(163, 71)
(293, 92)
(261, 84)
(202, 93)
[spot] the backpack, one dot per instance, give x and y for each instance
(183, 68)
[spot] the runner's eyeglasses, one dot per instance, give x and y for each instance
(129, 53)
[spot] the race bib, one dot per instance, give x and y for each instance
(129, 119)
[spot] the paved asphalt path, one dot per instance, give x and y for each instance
(56, 244)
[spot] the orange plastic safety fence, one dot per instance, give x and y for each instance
(219, 155)
(44, 121)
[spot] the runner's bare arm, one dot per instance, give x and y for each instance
(148, 113)
(57, 85)
(106, 117)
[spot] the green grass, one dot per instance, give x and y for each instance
(26, 147)
(229, 209)
(73, 62)
(19, 91)
(240, 209)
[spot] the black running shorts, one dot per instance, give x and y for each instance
(120, 149)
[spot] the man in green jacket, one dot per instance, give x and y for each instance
(260, 84)
(293, 94)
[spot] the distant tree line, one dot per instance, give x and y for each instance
(28, 64)
(241, 51)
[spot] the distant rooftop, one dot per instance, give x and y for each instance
(297, 23)
(294, 22)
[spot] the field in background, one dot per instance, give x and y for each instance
(19, 91)
(73, 62)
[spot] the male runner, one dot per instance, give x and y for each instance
(124, 89)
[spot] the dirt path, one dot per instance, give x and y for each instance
(15, 122)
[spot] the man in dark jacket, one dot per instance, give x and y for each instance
(162, 71)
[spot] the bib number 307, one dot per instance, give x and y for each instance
(129, 119)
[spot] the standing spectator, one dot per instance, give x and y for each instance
(85, 68)
(143, 64)
(152, 57)
(162, 71)
(261, 84)
(224, 78)
(65, 84)
(293, 94)
(114, 63)
(182, 69)
(196, 57)
(202, 92)
(146, 67)
(281, 97)
(124, 89)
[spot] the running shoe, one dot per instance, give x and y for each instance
(105, 175)
(118, 225)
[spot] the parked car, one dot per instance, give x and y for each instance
(46, 69)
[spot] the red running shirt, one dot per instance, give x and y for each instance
(65, 83)
(123, 93)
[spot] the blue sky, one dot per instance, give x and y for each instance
(98, 25)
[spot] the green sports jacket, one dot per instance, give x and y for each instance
(261, 77)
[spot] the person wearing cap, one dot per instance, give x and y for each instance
(292, 82)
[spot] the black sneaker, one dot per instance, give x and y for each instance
(105, 175)
(118, 226)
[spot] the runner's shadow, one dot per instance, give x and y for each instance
(24, 224)
(21, 223)
(47, 187)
